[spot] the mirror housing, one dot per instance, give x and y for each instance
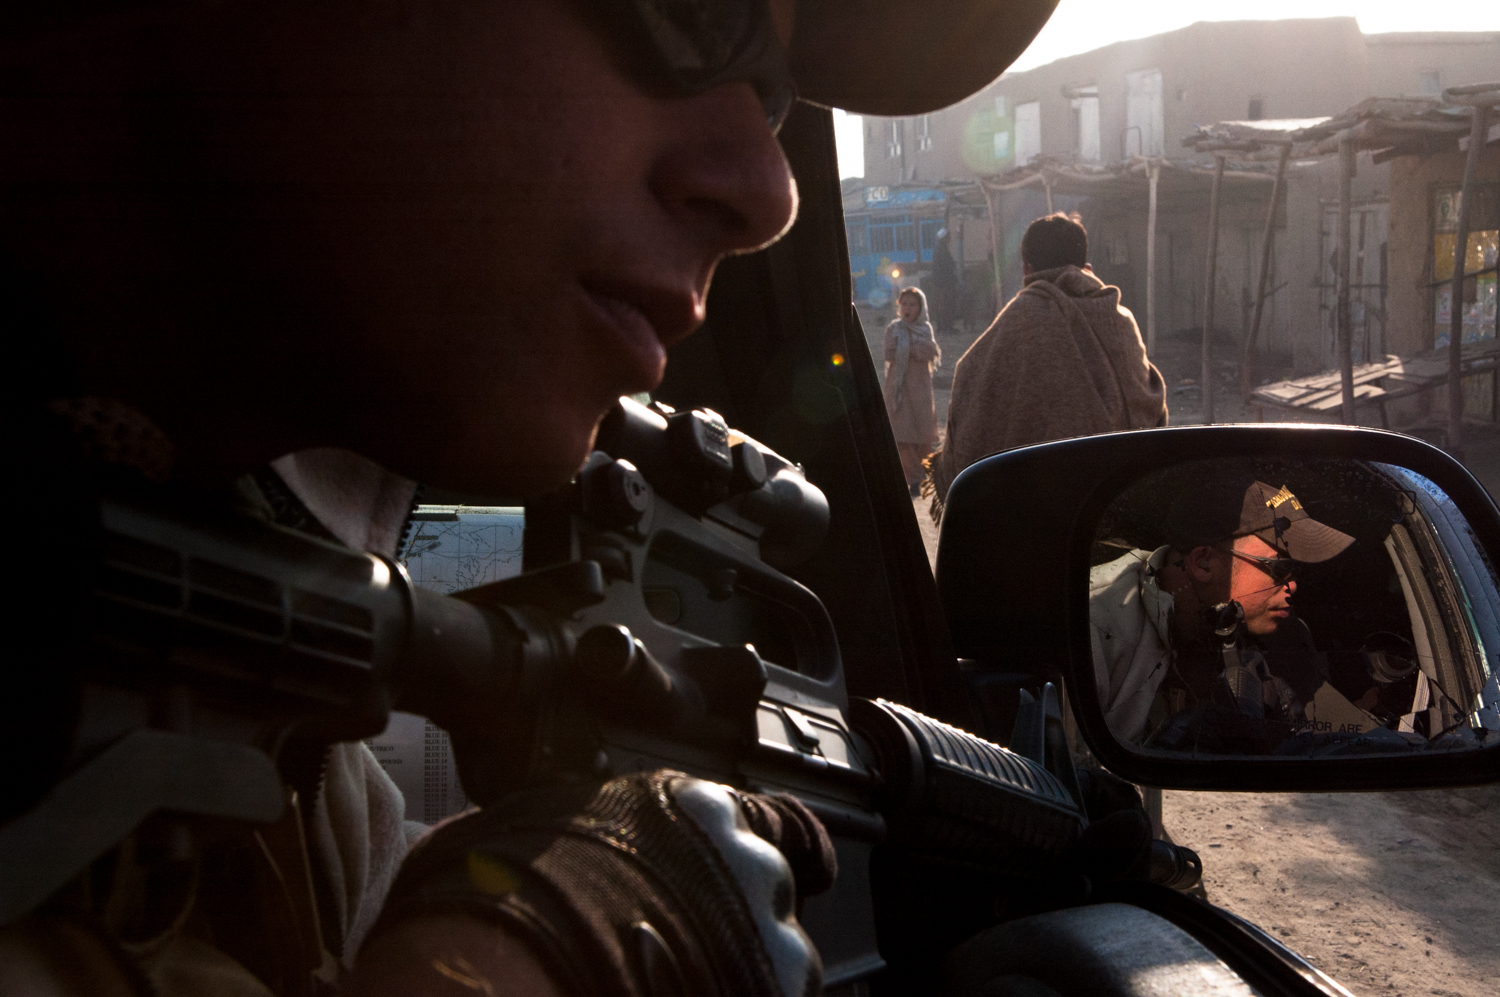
(1013, 575)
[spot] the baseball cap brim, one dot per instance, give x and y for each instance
(898, 57)
(1308, 541)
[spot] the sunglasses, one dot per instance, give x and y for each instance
(693, 46)
(1281, 569)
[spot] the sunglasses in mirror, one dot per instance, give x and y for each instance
(1281, 569)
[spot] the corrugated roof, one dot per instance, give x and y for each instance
(1387, 126)
(1412, 114)
(1086, 180)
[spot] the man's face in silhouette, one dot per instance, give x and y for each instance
(272, 226)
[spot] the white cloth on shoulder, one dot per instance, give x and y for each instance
(1130, 630)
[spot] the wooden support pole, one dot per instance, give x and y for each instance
(1047, 185)
(956, 239)
(1208, 293)
(1153, 173)
(1265, 269)
(990, 197)
(1478, 128)
(1341, 278)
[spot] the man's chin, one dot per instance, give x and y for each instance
(1264, 627)
(507, 481)
(504, 471)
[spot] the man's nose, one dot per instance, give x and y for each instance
(726, 177)
(1291, 586)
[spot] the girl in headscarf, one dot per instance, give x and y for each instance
(911, 355)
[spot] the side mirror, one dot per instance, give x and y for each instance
(1239, 607)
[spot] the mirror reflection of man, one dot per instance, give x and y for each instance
(1190, 623)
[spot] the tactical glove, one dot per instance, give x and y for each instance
(650, 885)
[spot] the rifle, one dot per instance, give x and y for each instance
(651, 627)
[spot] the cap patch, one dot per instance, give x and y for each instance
(1285, 495)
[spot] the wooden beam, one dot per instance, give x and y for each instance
(1265, 269)
(1207, 391)
(1153, 173)
(1474, 94)
(1378, 133)
(990, 199)
(1227, 145)
(1341, 279)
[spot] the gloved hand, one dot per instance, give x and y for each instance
(650, 885)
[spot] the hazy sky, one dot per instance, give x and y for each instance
(1084, 25)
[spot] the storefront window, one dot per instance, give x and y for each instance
(1478, 304)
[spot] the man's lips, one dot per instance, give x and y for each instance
(643, 321)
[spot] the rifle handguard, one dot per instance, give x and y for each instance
(954, 797)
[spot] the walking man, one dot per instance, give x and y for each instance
(1064, 358)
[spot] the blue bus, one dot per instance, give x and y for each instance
(892, 234)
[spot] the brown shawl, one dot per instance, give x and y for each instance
(1064, 358)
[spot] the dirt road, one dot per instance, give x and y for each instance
(1388, 893)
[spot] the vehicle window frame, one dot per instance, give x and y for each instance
(1474, 624)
